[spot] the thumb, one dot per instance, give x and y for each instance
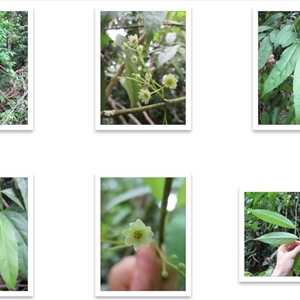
(296, 250)
(146, 274)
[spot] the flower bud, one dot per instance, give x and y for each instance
(164, 274)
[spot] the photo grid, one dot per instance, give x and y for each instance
(143, 65)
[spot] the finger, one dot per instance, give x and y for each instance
(120, 274)
(147, 273)
(296, 250)
(292, 245)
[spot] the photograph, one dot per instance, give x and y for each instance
(16, 236)
(276, 50)
(15, 70)
(269, 235)
(143, 236)
(143, 66)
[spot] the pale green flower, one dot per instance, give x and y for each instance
(134, 59)
(144, 95)
(140, 49)
(170, 81)
(133, 40)
(148, 76)
(137, 235)
(125, 46)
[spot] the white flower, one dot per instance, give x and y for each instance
(144, 95)
(134, 59)
(133, 40)
(170, 81)
(137, 235)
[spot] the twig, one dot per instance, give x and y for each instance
(5, 203)
(130, 116)
(163, 210)
(146, 115)
(113, 105)
(166, 103)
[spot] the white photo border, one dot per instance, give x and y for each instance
(241, 204)
(30, 292)
(145, 6)
(145, 294)
(29, 126)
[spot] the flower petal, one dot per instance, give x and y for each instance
(139, 223)
(126, 232)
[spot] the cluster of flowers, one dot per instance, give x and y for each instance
(169, 81)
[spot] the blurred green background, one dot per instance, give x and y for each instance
(123, 200)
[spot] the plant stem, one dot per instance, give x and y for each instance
(114, 113)
(163, 210)
(112, 242)
(114, 248)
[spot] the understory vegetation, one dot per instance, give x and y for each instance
(13, 68)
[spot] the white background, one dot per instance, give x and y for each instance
(222, 153)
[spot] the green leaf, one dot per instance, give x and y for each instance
(12, 194)
(265, 118)
(296, 89)
(275, 115)
(277, 238)
(108, 16)
(273, 218)
(264, 52)
(290, 116)
(281, 36)
(286, 87)
(273, 35)
(152, 22)
(182, 194)
(127, 195)
(131, 86)
(9, 253)
(103, 87)
(273, 18)
(261, 36)
(288, 39)
(297, 265)
(175, 234)
(1, 199)
(283, 68)
(20, 226)
(104, 39)
(22, 184)
(157, 186)
(264, 28)
(167, 54)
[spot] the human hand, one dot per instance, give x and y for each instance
(141, 272)
(286, 255)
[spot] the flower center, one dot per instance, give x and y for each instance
(137, 234)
